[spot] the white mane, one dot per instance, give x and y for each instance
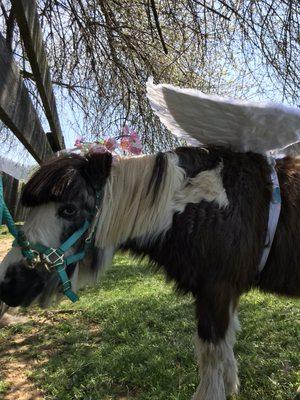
(130, 209)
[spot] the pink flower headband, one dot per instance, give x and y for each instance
(128, 143)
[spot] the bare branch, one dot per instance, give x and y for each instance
(156, 19)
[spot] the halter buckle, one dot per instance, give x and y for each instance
(34, 261)
(52, 258)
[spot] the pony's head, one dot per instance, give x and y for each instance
(61, 196)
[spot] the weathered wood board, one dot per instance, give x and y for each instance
(16, 108)
(31, 33)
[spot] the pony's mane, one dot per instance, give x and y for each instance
(137, 199)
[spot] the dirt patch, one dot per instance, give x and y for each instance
(8, 320)
(15, 364)
(5, 245)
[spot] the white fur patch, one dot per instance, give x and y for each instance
(218, 369)
(207, 185)
(211, 369)
(42, 226)
(129, 209)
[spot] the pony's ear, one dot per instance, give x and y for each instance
(98, 168)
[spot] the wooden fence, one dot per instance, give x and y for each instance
(12, 193)
(16, 108)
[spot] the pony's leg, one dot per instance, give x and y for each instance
(214, 342)
(230, 373)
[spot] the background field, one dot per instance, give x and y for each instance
(131, 338)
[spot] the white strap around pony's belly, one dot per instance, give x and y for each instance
(274, 213)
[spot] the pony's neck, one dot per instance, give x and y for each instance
(137, 201)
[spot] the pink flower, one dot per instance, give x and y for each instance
(136, 146)
(134, 136)
(136, 149)
(125, 143)
(131, 143)
(96, 148)
(78, 142)
(110, 143)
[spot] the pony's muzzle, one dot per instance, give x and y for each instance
(20, 285)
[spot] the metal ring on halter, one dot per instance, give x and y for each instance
(35, 260)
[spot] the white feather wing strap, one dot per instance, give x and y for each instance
(209, 119)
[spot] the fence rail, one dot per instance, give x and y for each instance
(28, 22)
(12, 194)
(17, 111)
(16, 108)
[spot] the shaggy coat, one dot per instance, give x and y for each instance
(200, 214)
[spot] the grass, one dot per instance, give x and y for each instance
(4, 231)
(131, 338)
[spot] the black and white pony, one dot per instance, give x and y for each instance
(199, 213)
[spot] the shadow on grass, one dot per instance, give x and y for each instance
(132, 339)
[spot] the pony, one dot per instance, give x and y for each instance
(201, 214)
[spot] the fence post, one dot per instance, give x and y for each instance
(31, 33)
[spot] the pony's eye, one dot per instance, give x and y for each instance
(68, 211)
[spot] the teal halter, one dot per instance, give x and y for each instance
(36, 253)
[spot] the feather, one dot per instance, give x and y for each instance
(12, 168)
(199, 119)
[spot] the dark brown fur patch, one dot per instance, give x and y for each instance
(281, 274)
(214, 252)
(66, 178)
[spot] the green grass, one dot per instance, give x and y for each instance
(131, 338)
(3, 231)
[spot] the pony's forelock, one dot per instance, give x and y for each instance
(64, 178)
(58, 179)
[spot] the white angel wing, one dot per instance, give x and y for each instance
(10, 167)
(209, 119)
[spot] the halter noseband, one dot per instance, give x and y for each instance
(52, 259)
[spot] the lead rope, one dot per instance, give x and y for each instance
(5, 216)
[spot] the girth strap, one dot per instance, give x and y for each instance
(274, 213)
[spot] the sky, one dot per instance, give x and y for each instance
(71, 125)
(72, 121)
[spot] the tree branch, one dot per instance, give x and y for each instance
(155, 15)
